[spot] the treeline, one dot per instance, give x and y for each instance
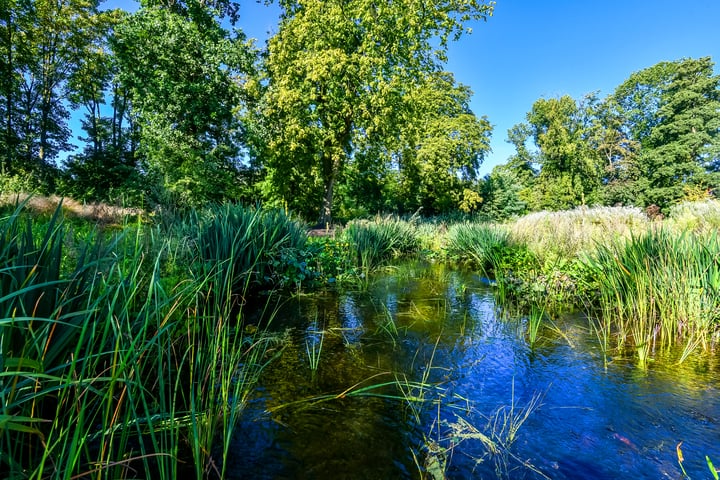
(346, 108)
(345, 111)
(653, 142)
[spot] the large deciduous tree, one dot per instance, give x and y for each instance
(442, 146)
(570, 169)
(336, 75)
(43, 44)
(184, 74)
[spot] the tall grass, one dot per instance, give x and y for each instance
(699, 217)
(483, 244)
(657, 289)
(245, 240)
(375, 241)
(553, 236)
(107, 369)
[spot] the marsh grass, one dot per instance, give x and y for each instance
(373, 242)
(107, 369)
(553, 236)
(495, 434)
(698, 217)
(482, 244)
(658, 289)
(246, 240)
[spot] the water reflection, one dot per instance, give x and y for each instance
(596, 418)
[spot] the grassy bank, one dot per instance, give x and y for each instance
(127, 350)
(126, 347)
(644, 284)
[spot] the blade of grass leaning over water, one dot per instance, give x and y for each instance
(108, 369)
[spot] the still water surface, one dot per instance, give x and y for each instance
(590, 415)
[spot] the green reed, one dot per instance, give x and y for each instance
(109, 369)
(658, 289)
(482, 244)
(375, 241)
(313, 347)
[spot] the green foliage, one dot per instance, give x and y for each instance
(501, 192)
(483, 244)
(44, 44)
(182, 75)
(442, 148)
(570, 168)
(333, 91)
(658, 288)
(374, 241)
(332, 258)
(255, 246)
(655, 141)
(107, 370)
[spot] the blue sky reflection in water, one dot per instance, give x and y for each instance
(594, 420)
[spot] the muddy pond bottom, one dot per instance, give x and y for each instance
(421, 375)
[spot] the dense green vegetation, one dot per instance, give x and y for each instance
(125, 341)
(128, 345)
(179, 109)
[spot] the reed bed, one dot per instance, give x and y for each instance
(109, 370)
(647, 284)
(658, 289)
(376, 241)
(482, 244)
(552, 236)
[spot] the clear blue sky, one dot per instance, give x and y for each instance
(531, 49)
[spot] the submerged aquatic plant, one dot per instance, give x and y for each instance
(313, 346)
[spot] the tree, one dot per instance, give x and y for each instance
(618, 153)
(502, 194)
(107, 165)
(441, 149)
(184, 76)
(570, 170)
(43, 43)
(672, 110)
(336, 74)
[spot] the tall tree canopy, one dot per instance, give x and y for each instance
(336, 76)
(184, 74)
(44, 45)
(569, 168)
(654, 140)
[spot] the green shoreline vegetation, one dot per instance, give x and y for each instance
(130, 337)
(126, 346)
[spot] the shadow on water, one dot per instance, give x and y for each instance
(497, 408)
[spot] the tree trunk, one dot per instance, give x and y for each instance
(326, 212)
(6, 160)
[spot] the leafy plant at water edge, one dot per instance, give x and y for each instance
(658, 289)
(115, 372)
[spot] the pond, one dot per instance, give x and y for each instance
(480, 402)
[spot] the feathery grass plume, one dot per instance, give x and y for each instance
(566, 235)
(657, 289)
(699, 217)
